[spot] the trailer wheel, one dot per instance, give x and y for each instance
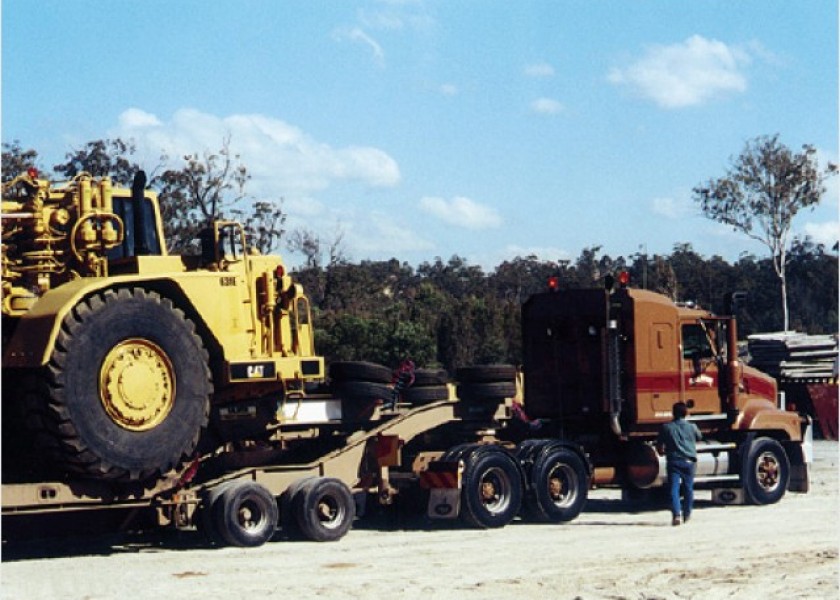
(128, 387)
(558, 485)
(245, 514)
(765, 471)
(205, 518)
(324, 509)
(360, 371)
(492, 488)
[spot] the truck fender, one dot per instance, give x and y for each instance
(35, 335)
(759, 414)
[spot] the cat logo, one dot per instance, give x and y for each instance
(252, 370)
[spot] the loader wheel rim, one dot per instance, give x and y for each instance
(137, 385)
(768, 471)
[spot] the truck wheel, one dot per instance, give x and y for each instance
(324, 509)
(245, 514)
(486, 373)
(558, 484)
(492, 488)
(128, 387)
(360, 371)
(765, 471)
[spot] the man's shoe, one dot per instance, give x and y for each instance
(686, 517)
(676, 520)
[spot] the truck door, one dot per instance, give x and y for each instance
(700, 373)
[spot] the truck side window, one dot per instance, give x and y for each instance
(695, 342)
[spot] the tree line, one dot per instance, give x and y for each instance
(453, 313)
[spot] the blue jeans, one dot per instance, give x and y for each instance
(681, 474)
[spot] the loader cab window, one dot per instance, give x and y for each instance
(140, 232)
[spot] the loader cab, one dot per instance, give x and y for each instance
(142, 226)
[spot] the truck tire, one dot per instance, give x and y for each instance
(245, 514)
(491, 495)
(558, 484)
(360, 371)
(127, 388)
(765, 471)
(324, 509)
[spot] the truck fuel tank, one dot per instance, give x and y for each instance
(645, 468)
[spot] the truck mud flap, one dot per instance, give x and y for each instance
(443, 480)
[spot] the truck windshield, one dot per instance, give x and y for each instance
(697, 341)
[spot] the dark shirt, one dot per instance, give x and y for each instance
(679, 437)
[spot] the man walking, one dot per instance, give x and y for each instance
(677, 441)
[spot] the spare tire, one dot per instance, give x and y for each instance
(426, 377)
(486, 373)
(360, 371)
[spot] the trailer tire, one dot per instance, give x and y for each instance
(128, 387)
(245, 514)
(490, 392)
(205, 520)
(558, 483)
(419, 396)
(486, 373)
(324, 509)
(491, 495)
(360, 371)
(765, 471)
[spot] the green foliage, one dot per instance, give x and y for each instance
(16, 160)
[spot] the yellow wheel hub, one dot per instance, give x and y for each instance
(137, 385)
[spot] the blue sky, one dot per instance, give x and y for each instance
(420, 128)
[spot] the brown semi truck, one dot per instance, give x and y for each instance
(189, 387)
(604, 367)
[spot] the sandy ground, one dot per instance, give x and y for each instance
(787, 550)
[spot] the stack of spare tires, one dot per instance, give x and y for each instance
(482, 388)
(364, 385)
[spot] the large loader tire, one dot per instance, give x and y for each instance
(127, 388)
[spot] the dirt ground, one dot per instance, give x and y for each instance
(787, 550)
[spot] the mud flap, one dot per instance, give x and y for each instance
(443, 480)
(800, 480)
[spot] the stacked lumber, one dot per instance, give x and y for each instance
(794, 356)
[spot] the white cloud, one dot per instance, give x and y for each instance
(827, 233)
(686, 74)
(382, 235)
(462, 212)
(448, 89)
(539, 70)
(358, 35)
(672, 207)
(134, 117)
(282, 159)
(546, 106)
